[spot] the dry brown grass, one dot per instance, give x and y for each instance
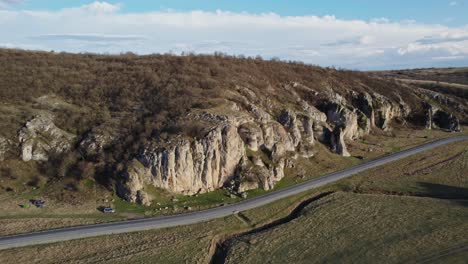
(359, 228)
(438, 173)
(13, 226)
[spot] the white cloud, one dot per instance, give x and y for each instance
(101, 7)
(327, 40)
(453, 3)
(89, 37)
(7, 3)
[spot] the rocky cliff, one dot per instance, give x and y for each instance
(194, 124)
(250, 142)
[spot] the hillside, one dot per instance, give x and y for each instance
(189, 124)
(446, 86)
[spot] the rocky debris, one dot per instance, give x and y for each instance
(40, 138)
(97, 140)
(5, 146)
(306, 151)
(143, 198)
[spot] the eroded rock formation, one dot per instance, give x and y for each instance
(249, 145)
(438, 118)
(40, 138)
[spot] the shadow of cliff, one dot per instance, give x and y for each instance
(459, 195)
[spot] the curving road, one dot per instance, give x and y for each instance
(64, 234)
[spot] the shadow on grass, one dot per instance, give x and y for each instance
(222, 247)
(445, 192)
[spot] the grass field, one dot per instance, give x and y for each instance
(431, 226)
(360, 228)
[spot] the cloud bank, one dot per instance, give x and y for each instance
(325, 40)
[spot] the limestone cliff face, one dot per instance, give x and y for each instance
(247, 132)
(244, 134)
(40, 138)
(188, 167)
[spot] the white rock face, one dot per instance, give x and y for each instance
(40, 137)
(190, 167)
(337, 142)
(385, 111)
(241, 137)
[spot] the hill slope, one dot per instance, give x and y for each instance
(189, 124)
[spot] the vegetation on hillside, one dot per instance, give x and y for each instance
(144, 97)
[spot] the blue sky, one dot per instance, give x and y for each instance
(359, 34)
(423, 11)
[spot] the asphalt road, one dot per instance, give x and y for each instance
(64, 234)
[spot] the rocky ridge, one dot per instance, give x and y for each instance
(249, 145)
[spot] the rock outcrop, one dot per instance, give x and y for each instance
(95, 141)
(438, 118)
(40, 138)
(188, 167)
(250, 146)
(337, 142)
(5, 146)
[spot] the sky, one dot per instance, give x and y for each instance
(353, 34)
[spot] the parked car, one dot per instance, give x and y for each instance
(107, 210)
(38, 203)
